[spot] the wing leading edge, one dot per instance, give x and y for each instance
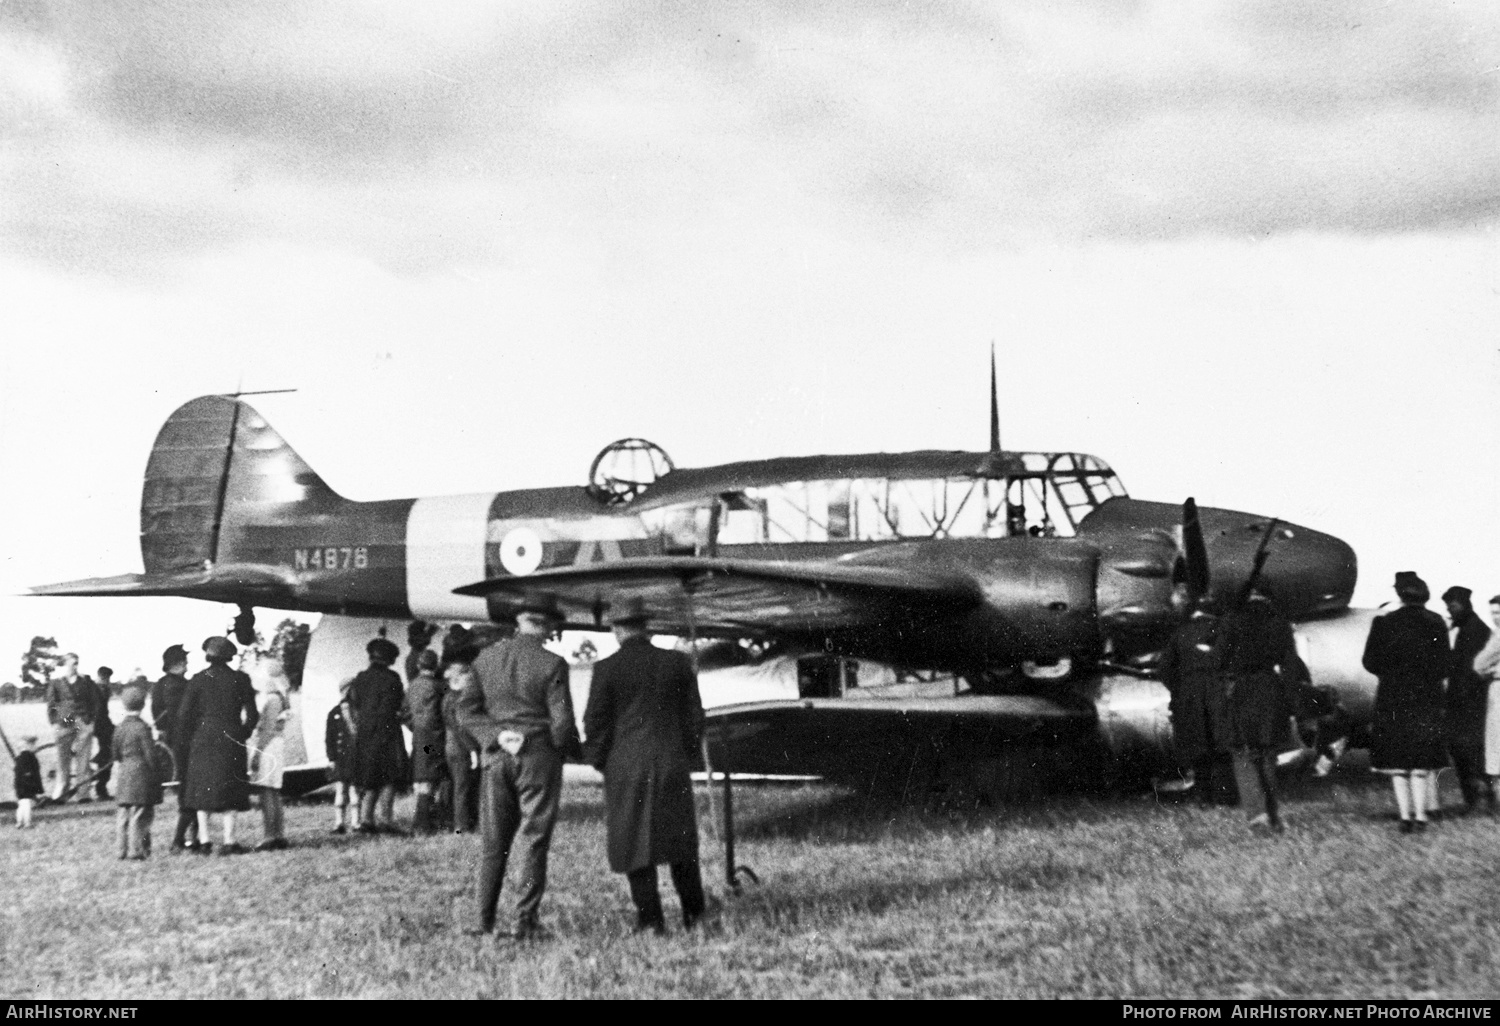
(738, 597)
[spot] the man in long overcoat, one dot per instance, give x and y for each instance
(1262, 672)
(166, 698)
(377, 702)
(217, 716)
(643, 722)
(518, 710)
(1466, 702)
(1407, 650)
(1190, 669)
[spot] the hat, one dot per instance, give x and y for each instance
(1459, 594)
(219, 648)
(542, 602)
(632, 612)
(174, 654)
(383, 649)
(1408, 584)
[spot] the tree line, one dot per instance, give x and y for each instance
(42, 658)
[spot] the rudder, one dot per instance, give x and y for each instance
(216, 466)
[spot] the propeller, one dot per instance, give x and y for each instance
(1194, 550)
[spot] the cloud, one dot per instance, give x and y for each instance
(426, 137)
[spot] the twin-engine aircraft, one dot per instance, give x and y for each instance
(1031, 582)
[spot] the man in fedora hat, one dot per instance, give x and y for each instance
(1466, 702)
(644, 721)
(518, 709)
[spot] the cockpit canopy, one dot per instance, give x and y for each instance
(877, 498)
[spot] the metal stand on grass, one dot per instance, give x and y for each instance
(733, 872)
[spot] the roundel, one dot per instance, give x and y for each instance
(521, 551)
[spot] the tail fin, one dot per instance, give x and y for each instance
(216, 467)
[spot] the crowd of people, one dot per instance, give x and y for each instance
(491, 728)
(1238, 685)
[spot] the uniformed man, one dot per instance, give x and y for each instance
(1190, 669)
(1262, 672)
(644, 722)
(1466, 701)
(518, 709)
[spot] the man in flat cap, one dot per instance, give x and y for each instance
(1407, 650)
(644, 722)
(518, 709)
(1466, 701)
(166, 696)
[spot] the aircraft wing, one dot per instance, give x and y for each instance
(740, 597)
(242, 583)
(858, 739)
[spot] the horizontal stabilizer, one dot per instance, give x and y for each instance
(736, 596)
(246, 583)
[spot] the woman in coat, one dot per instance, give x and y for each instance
(429, 766)
(643, 721)
(1407, 651)
(376, 699)
(217, 716)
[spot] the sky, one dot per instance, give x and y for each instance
(1244, 251)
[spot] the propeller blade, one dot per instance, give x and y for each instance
(1194, 549)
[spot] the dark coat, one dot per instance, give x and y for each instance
(338, 742)
(104, 727)
(71, 700)
(1407, 650)
(518, 685)
(166, 697)
(28, 775)
(1190, 668)
(1466, 701)
(1262, 675)
(644, 720)
(137, 777)
(376, 699)
(424, 699)
(217, 716)
(457, 741)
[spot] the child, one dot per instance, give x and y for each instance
(338, 741)
(138, 778)
(28, 782)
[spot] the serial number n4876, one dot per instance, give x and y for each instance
(331, 557)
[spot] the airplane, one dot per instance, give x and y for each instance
(1034, 586)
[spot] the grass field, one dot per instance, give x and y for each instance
(1077, 897)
